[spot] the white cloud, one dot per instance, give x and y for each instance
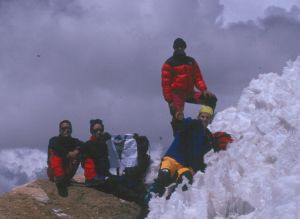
(244, 10)
(20, 165)
(80, 59)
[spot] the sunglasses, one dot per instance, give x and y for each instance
(65, 128)
(97, 130)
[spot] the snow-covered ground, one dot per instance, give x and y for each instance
(259, 175)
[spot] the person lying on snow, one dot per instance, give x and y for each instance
(185, 156)
(63, 157)
(128, 152)
(179, 75)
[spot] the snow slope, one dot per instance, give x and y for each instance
(259, 175)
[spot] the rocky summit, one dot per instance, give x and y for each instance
(39, 199)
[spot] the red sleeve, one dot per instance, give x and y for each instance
(166, 81)
(56, 164)
(199, 81)
(89, 169)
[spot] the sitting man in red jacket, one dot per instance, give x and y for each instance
(95, 155)
(180, 74)
(63, 157)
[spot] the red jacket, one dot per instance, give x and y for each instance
(58, 149)
(95, 158)
(181, 73)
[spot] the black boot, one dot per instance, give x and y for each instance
(62, 186)
(189, 176)
(163, 180)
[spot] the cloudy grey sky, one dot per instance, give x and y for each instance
(77, 60)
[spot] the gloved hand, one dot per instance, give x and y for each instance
(221, 140)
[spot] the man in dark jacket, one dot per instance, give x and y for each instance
(180, 74)
(63, 157)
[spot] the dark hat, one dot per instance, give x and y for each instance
(179, 43)
(93, 122)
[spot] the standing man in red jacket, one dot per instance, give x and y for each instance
(180, 74)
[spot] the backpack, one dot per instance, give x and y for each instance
(124, 150)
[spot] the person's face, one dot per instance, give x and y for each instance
(179, 50)
(65, 130)
(97, 130)
(205, 119)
